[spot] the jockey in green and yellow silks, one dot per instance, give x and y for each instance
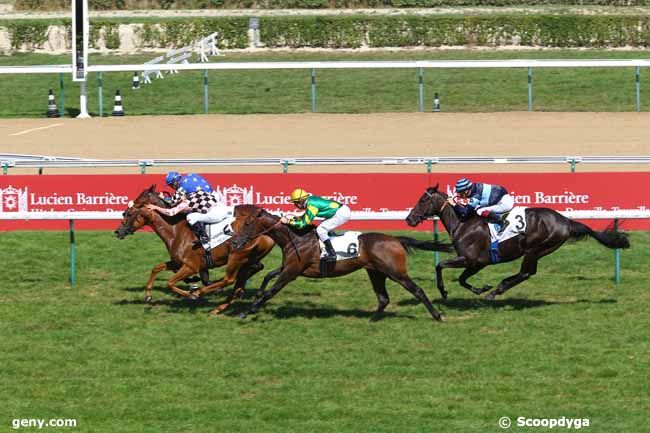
(334, 213)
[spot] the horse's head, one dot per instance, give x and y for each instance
(430, 204)
(250, 222)
(136, 214)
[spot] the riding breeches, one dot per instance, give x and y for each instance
(215, 214)
(340, 217)
(505, 205)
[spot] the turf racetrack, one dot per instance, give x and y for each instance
(568, 342)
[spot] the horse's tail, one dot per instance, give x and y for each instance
(409, 244)
(610, 238)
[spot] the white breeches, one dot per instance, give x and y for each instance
(505, 205)
(340, 217)
(215, 214)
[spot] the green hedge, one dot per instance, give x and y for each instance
(306, 4)
(181, 31)
(376, 31)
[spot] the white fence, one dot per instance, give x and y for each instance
(8, 161)
(359, 216)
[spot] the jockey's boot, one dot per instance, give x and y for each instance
(202, 237)
(331, 254)
(500, 219)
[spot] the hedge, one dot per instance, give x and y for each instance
(569, 31)
(306, 4)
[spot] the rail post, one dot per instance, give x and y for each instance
(72, 254)
(100, 85)
(638, 88)
(530, 89)
(429, 166)
(313, 90)
(5, 168)
(617, 258)
(61, 96)
(421, 88)
(285, 166)
(205, 91)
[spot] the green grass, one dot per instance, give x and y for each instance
(568, 342)
(338, 91)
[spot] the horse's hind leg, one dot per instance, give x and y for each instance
(468, 272)
(406, 282)
(528, 269)
(165, 266)
(378, 281)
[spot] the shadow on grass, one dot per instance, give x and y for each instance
(306, 310)
(512, 303)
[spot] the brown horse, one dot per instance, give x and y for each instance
(382, 256)
(186, 261)
(546, 231)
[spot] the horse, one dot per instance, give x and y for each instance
(382, 256)
(546, 231)
(186, 260)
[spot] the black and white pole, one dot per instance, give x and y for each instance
(436, 103)
(51, 105)
(136, 81)
(118, 110)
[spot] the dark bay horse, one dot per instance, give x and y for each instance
(186, 261)
(382, 256)
(546, 231)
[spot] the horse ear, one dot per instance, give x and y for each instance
(152, 188)
(259, 212)
(435, 188)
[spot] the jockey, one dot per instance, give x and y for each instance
(194, 196)
(334, 213)
(491, 202)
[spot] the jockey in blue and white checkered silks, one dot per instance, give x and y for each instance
(195, 197)
(491, 202)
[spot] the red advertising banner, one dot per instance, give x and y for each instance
(361, 191)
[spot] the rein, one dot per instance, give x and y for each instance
(291, 237)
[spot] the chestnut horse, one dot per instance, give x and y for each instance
(546, 231)
(186, 261)
(382, 256)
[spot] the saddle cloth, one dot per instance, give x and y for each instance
(517, 219)
(346, 245)
(218, 233)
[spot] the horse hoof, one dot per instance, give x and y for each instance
(242, 315)
(490, 297)
(147, 300)
(441, 319)
(486, 288)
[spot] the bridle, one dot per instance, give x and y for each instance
(430, 195)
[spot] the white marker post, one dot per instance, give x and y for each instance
(80, 27)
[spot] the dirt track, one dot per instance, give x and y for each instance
(311, 135)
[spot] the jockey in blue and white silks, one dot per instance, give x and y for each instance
(195, 197)
(491, 202)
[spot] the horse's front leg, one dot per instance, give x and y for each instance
(235, 263)
(165, 266)
(285, 278)
(184, 272)
(240, 285)
(456, 262)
